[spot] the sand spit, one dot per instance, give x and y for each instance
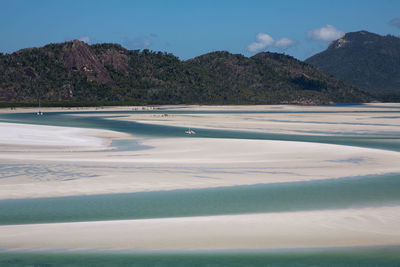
(181, 163)
(40, 136)
(302, 120)
(326, 228)
(41, 161)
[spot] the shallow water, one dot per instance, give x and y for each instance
(379, 256)
(377, 140)
(280, 197)
(349, 192)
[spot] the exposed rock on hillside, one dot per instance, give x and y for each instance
(75, 71)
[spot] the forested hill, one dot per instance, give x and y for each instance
(367, 60)
(74, 72)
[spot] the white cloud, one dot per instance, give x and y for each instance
(264, 40)
(85, 39)
(395, 22)
(327, 33)
(284, 43)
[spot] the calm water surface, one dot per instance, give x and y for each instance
(369, 257)
(279, 197)
(389, 141)
(324, 194)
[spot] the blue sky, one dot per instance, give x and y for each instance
(190, 28)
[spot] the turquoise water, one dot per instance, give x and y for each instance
(279, 197)
(389, 142)
(369, 257)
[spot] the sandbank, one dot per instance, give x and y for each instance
(41, 136)
(41, 161)
(304, 229)
(299, 120)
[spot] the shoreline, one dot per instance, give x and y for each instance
(186, 107)
(79, 169)
(297, 230)
(19, 135)
(45, 161)
(195, 163)
(204, 251)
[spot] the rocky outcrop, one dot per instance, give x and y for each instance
(75, 72)
(79, 57)
(116, 60)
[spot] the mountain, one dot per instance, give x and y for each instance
(75, 73)
(366, 60)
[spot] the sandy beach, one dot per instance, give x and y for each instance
(47, 161)
(166, 163)
(290, 119)
(304, 229)
(200, 133)
(283, 119)
(47, 137)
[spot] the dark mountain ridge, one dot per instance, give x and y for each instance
(366, 60)
(108, 73)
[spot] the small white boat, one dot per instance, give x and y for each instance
(39, 112)
(190, 131)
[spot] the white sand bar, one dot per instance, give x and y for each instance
(180, 163)
(27, 135)
(288, 120)
(348, 227)
(40, 161)
(64, 166)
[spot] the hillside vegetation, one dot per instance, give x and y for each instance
(366, 60)
(75, 73)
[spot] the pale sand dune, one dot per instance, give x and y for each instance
(327, 228)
